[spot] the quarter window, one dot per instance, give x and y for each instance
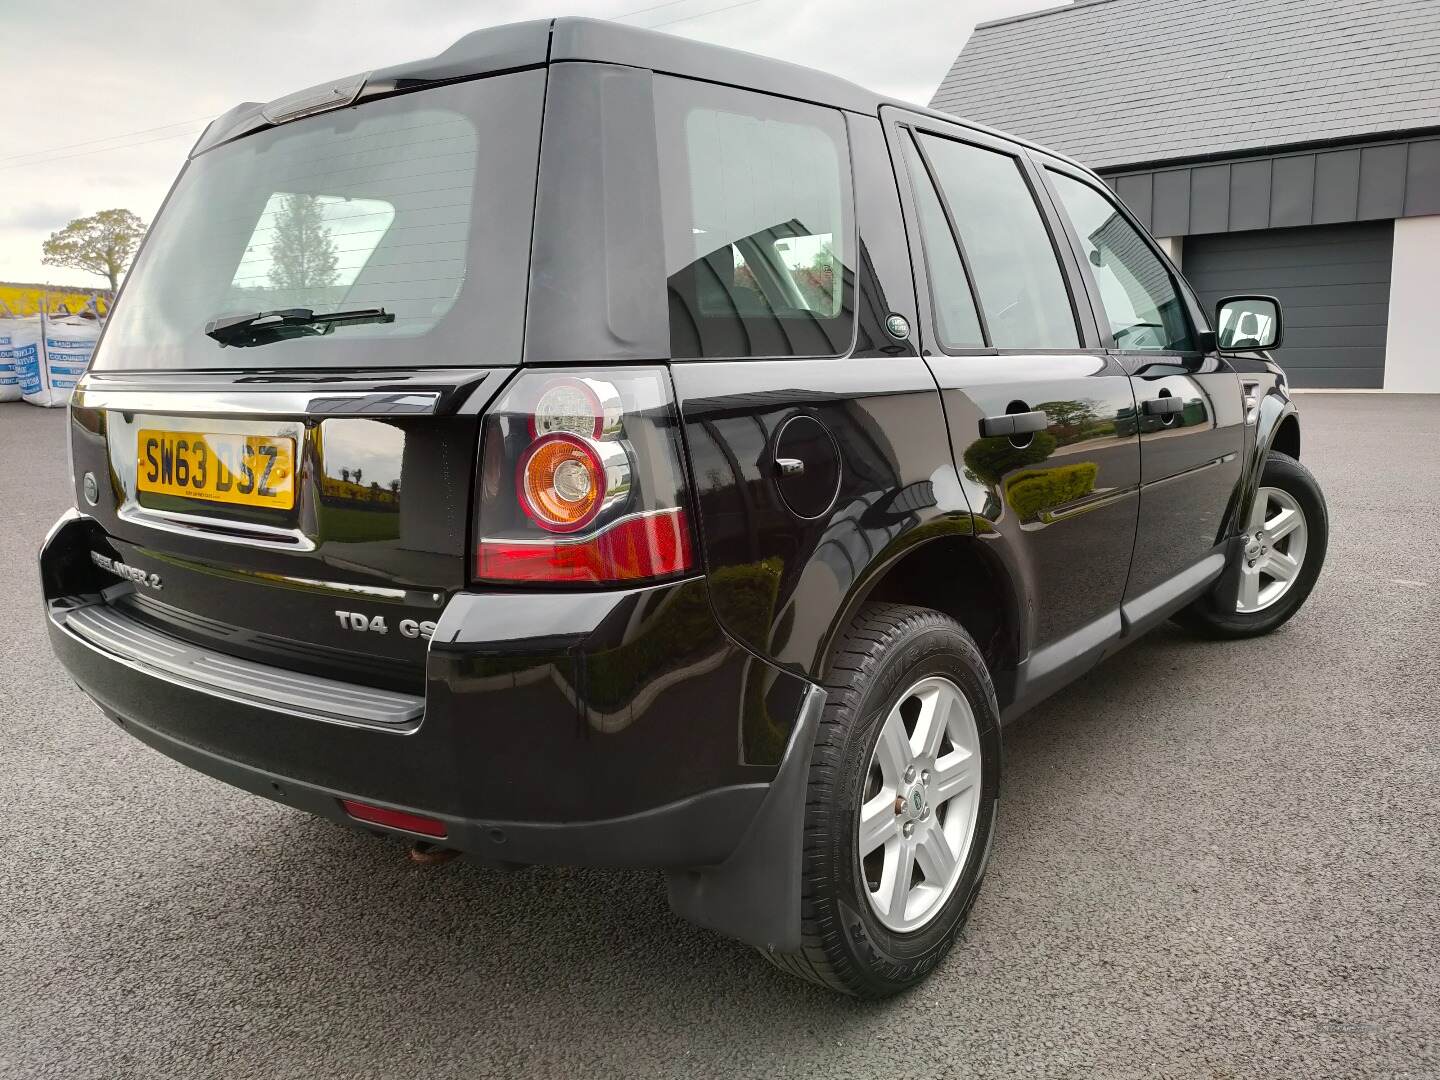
(755, 198)
(956, 320)
(1012, 259)
(1136, 290)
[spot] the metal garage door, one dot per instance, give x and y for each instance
(1333, 282)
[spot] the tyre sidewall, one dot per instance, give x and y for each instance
(1287, 474)
(889, 958)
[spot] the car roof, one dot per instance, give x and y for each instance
(540, 41)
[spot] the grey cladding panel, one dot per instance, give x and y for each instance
(1333, 283)
(1137, 193)
(1396, 178)
(1337, 186)
(1292, 191)
(1422, 178)
(1172, 203)
(1382, 182)
(1210, 199)
(1250, 194)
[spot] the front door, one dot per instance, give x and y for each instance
(1042, 419)
(1190, 410)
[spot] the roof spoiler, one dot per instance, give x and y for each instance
(484, 52)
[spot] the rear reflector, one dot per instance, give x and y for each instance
(633, 549)
(394, 819)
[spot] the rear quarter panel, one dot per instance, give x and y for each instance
(780, 583)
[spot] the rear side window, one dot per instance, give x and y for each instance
(1144, 310)
(756, 206)
(956, 320)
(1017, 274)
(420, 204)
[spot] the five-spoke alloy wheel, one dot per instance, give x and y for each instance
(1285, 534)
(917, 820)
(900, 806)
(1274, 550)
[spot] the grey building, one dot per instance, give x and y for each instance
(1289, 147)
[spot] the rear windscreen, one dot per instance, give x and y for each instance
(420, 204)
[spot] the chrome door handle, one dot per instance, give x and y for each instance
(789, 466)
(1014, 424)
(1165, 406)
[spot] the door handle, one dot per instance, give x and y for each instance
(1013, 424)
(790, 466)
(1163, 406)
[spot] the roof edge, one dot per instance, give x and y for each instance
(1026, 16)
(1389, 137)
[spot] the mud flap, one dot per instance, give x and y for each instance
(1225, 594)
(754, 895)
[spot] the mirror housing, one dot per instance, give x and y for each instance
(1247, 323)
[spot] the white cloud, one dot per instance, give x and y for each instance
(147, 63)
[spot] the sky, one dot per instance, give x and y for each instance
(112, 104)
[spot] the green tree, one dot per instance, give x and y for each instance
(990, 459)
(103, 244)
(302, 253)
(1074, 416)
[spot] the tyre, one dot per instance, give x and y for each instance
(900, 805)
(1287, 534)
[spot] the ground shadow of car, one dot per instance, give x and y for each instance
(488, 941)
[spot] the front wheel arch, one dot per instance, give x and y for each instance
(1287, 436)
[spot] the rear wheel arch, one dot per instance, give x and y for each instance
(959, 576)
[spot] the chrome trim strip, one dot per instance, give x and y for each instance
(344, 588)
(416, 597)
(297, 403)
(230, 532)
(1183, 474)
(1085, 504)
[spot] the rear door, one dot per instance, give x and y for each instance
(300, 494)
(1191, 416)
(1042, 418)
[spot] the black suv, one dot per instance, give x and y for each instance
(592, 447)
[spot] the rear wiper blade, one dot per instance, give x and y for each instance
(263, 327)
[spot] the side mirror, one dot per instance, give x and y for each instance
(1244, 323)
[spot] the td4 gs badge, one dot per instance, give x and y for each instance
(361, 623)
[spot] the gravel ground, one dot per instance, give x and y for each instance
(1213, 860)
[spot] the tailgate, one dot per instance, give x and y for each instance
(320, 528)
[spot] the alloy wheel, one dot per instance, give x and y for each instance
(917, 817)
(1274, 551)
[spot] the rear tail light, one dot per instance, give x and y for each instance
(581, 481)
(561, 482)
(578, 405)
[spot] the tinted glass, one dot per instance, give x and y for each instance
(755, 195)
(955, 319)
(1141, 304)
(419, 204)
(1022, 290)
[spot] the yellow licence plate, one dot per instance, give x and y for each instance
(253, 470)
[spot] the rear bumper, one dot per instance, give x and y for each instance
(602, 729)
